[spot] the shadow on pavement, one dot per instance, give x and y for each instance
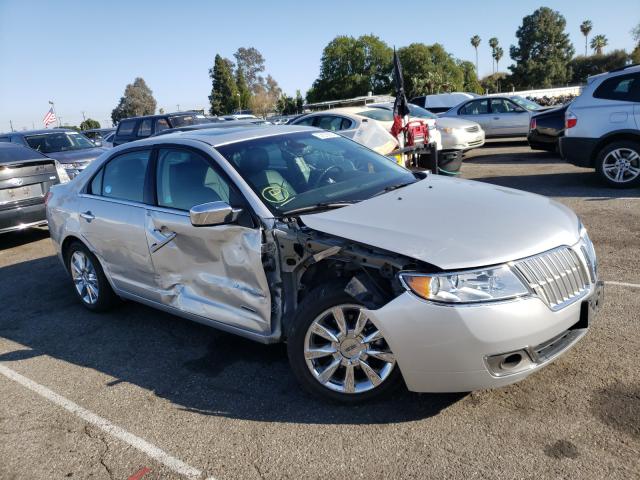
(22, 237)
(570, 184)
(196, 367)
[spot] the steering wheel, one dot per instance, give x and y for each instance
(324, 176)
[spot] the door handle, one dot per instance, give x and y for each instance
(167, 237)
(88, 216)
(496, 118)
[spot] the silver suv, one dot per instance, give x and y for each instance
(602, 127)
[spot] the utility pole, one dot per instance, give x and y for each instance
(11, 124)
(83, 117)
(178, 105)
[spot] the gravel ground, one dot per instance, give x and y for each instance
(231, 408)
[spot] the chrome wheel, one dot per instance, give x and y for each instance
(621, 165)
(345, 352)
(84, 277)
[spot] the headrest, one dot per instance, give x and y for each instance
(254, 160)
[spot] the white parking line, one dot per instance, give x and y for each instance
(623, 284)
(174, 464)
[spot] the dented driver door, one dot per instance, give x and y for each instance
(212, 272)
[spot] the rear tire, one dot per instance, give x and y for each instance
(355, 367)
(90, 284)
(618, 164)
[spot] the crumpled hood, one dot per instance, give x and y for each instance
(454, 223)
(84, 155)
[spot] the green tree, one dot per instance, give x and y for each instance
(543, 51)
(299, 102)
(223, 98)
(251, 62)
(286, 105)
(470, 77)
(585, 28)
(243, 89)
(137, 100)
(583, 67)
(475, 41)
(493, 43)
(496, 83)
(497, 55)
(635, 55)
(429, 69)
(89, 124)
(598, 43)
(351, 67)
(635, 34)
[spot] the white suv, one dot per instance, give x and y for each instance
(602, 127)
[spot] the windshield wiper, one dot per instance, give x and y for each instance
(390, 188)
(319, 206)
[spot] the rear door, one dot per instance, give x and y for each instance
(478, 111)
(508, 119)
(112, 220)
(212, 272)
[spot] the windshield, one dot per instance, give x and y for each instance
(58, 142)
(524, 103)
(184, 120)
(302, 170)
(420, 112)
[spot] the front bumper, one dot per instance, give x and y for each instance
(446, 348)
(458, 140)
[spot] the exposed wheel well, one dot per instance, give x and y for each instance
(66, 245)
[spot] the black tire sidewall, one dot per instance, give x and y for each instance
(106, 297)
(602, 154)
(316, 302)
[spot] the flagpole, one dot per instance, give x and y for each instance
(53, 107)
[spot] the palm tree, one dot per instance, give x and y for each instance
(493, 43)
(598, 43)
(475, 41)
(497, 55)
(585, 28)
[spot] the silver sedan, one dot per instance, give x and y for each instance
(284, 233)
(499, 116)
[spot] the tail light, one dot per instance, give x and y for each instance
(570, 120)
(47, 197)
(533, 124)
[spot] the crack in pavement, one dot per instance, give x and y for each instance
(87, 431)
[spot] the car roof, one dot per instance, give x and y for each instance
(221, 136)
(162, 115)
(40, 131)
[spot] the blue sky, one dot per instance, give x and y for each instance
(81, 54)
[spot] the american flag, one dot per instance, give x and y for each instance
(49, 118)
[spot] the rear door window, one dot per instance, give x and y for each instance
(123, 177)
(332, 123)
(623, 87)
(306, 121)
(144, 130)
(161, 124)
(477, 107)
(125, 128)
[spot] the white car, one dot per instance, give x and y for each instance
(346, 120)
(370, 273)
(456, 133)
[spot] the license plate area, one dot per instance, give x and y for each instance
(590, 307)
(20, 193)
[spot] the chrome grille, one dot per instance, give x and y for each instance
(558, 277)
(472, 129)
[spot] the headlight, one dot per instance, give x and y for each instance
(472, 286)
(62, 172)
(446, 129)
(589, 252)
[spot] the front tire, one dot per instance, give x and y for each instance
(90, 284)
(618, 164)
(337, 353)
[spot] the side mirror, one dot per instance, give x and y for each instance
(97, 143)
(214, 213)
